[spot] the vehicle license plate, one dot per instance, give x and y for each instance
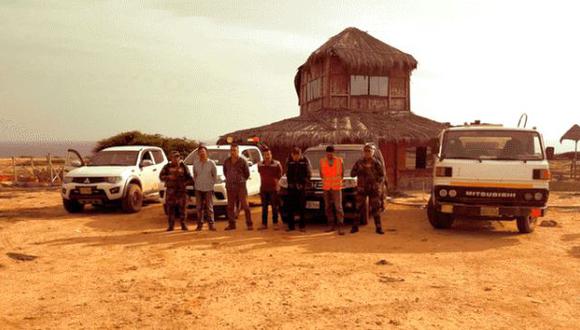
(86, 191)
(312, 205)
(489, 211)
(447, 208)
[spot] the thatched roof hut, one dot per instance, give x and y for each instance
(572, 134)
(360, 53)
(343, 126)
(356, 89)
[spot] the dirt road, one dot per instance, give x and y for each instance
(111, 270)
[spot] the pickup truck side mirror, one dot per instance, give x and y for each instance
(76, 163)
(146, 162)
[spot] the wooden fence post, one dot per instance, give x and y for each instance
(50, 169)
(15, 179)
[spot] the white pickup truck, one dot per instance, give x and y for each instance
(490, 172)
(117, 175)
(219, 153)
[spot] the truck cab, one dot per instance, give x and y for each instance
(489, 172)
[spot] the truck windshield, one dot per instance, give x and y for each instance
(114, 158)
(218, 156)
(348, 156)
(492, 144)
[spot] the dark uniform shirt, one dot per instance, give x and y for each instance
(236, 173)
(369, 172)
(298, 173)
(176, 179)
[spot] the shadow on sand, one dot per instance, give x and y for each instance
(407, 231)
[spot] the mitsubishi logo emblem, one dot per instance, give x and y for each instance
(87, 181)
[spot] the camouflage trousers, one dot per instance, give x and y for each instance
(176, 208)
(374, 197)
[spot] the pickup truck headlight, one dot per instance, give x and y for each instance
(349, 183)
(283, 182)
(114, 179)
(67, 179)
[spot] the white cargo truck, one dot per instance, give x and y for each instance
(490, 172)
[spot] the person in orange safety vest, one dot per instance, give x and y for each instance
(332, 173)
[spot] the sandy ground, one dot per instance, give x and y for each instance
(105, 269)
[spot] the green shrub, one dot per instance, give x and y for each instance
(183, 145)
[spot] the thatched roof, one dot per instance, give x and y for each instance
(572, 134)
(342, 126)
(360, 53)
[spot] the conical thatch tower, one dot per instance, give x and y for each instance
(356, 89)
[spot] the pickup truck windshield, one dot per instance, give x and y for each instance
(492, 144)
(114, 158)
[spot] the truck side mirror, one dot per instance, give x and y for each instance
(550, 153)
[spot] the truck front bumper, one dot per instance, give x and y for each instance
(488, 211)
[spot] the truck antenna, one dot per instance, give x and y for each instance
(522, 117)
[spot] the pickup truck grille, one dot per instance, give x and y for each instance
(89, 180)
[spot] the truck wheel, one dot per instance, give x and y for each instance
(526, 224)
(437, 219)
(72, 206)
(133, 199)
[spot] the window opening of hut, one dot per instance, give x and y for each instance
(313, 90)
(379, 86)
(359, 85)
(416, 158)
(369, 85)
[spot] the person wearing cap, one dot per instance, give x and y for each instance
(298, 173)
(270, 173)
(332, 173)
(237, 172)
(176, 176)
(370, 176)
(205, 176)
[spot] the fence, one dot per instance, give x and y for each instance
(24, 169)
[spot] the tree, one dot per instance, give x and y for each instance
(183, 145)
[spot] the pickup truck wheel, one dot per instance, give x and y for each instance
(72, 206)
(437, 219)
(133, 199)
(527, 224)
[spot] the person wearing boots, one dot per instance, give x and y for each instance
(370, 176)
(332, 173)
(298, 173)
(237, 172)
(205, 176)
(176, 176)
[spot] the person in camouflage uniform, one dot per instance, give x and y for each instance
(176, 176)
(370, 176)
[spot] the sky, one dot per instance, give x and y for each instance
(86, 70)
